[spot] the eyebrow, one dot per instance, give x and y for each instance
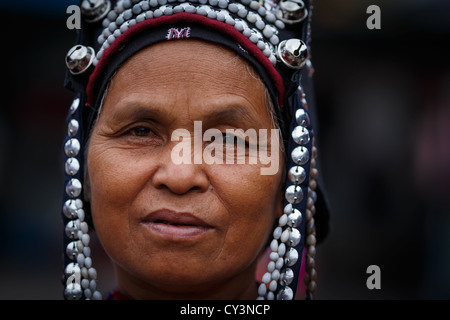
(230, 115)
(136, 112)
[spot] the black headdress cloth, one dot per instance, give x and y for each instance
(113, 31)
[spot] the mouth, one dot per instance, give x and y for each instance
(174, 226)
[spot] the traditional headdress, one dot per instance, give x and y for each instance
(274, 37)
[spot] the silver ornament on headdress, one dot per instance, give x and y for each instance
(95, 10)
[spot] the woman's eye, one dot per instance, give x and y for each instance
(230, 140)
(141, 132)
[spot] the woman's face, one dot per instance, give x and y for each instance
(189, 230)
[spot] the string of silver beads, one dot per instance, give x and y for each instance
(311, 274)
(310, 243)
(286, 236)
(81, 277)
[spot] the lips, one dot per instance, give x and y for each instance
(175, 225)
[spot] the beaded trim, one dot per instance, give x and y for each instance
(80, 276)
(239, 15)
(286, 236)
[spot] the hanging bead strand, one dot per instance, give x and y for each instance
(80, 276)
(310, 267)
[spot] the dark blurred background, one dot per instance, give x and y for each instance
(384, 115)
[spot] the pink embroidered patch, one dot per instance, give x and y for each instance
(178, 33)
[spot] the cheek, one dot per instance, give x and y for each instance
(114, 176)
(253, 201)
(115, 179)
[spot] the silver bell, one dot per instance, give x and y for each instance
(94, 10)
(292, 11)
(293, 53)
(79, 59)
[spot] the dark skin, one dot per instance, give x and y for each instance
(160, 89)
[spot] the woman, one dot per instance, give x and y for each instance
(174, 154)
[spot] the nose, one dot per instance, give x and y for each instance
(180, 178)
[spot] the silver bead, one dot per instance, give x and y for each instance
(312, 286)
(294, 237)
(72, 128)
(291, 257)
(287, 277)
(297, 174)
(313, 196)
(70, 209)
(84, 227)
(262, 289)
(85, 283)
(281, 249)
(300, 155)
(294, 194)
(79, 59)
(203, 10)
(311, 240)
(87, 251)
(223, 4)
(71, 230)
(74, 105)
(73, 188)
(271, 266)
(275, 274)
(93, 285)
(300, 135)
(73, 291)
(266, 278)
(97, 295)
(92, 273)
(80, 260)
(282, 220)
(72, 268)
(292, 11)
(88, 293)
(72, 147)
(72, 250)
(84, 273)
(285, 236)
(274, 245)
(279, 263)
(273, 285)
(293, 53)
(294, 218)
(72, 166)
(88, 262)
(85, 238)
(302, 117)
(254, 5)
(94, 10)
(288, 209)
(285, 293)
(277, 232)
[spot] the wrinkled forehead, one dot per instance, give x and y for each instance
(148, 34)
(171, 80)
(188, 57)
